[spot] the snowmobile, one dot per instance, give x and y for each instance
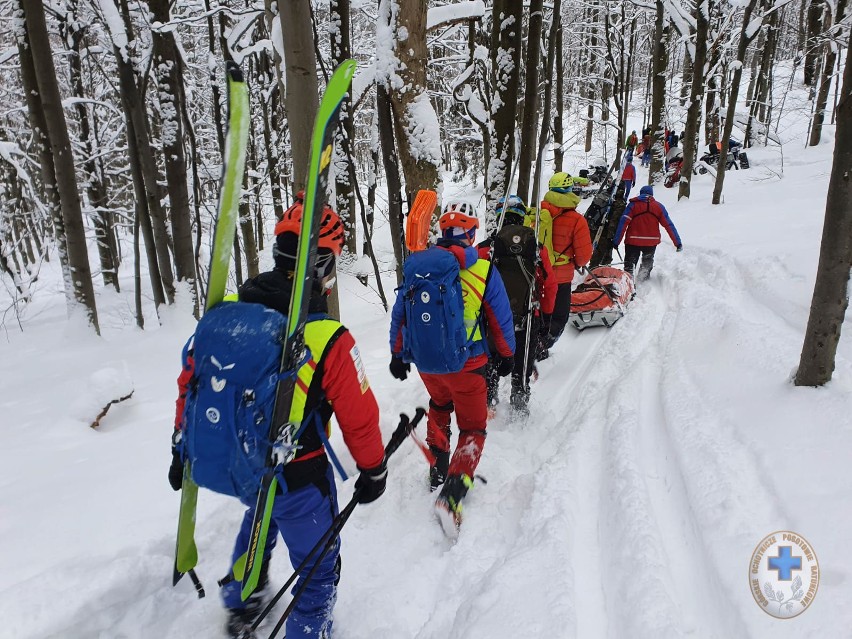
(601, 299)
(736, 158)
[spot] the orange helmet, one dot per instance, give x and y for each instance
(331, 234)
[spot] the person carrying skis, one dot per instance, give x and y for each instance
(523, 263)
(330, 379)
(628, 177)
(429, 317)
(565, 233)
(641, 222)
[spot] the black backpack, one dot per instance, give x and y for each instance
(515, 254)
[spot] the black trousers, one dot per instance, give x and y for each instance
(631, 257)
(561, 310)
(520, 383)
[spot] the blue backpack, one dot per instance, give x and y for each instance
(434, 336)
(237, 350)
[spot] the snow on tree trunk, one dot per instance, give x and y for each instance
(168, 73)
(401, 66)
(696, 93)
(658, 94)
(505, 59)
(831, 290)
(530, 119)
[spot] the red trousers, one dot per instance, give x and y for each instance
(465, 393)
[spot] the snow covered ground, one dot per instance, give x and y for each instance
(657, 455)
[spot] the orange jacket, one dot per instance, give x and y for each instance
(570, 239)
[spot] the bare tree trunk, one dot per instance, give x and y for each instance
(745, 39)
(530, 118)
(815, 13)
(658, 94)
(302, 98)
(343, 186)
(696, 93)
(80, 280)
(41, 143)
(169, 75)
(133, 103)
(102, 217)
(825, 81)
(384, 118)
(558, 136)
(548, 93)
(505, 60)
(831, 291)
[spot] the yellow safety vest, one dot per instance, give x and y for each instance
(473, 281)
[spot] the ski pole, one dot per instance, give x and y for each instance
(327, 540)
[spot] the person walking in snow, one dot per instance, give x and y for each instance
(628, 177)
(646, 150)
(523, 264)
(565, 233)
(631, 142)
(462, 390)
(331, 381)
(640, 223)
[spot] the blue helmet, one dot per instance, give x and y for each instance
(647, 190)
(512, 203)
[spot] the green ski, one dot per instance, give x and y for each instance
(186, 553)
(282, 427)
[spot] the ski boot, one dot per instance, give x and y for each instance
(238, 625)
(448, 506)
(520, 404)
(438, 472)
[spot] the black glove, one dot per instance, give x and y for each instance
(399, 369)
(176, 471)
(371, 483)
(679, 248)
(505, 366)
(613, 243)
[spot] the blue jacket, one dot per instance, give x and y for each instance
(496, 311)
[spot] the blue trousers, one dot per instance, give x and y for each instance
(302, 517)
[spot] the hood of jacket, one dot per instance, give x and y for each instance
(562, 200)
(273, 289)
(466, 255)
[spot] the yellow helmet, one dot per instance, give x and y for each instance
(561, 182)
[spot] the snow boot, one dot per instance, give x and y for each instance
(448, 506)
(438, 472)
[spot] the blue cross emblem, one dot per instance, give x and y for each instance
(785, 563)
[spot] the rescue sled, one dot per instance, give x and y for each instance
(601, 299)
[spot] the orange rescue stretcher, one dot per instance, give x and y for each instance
(601, 299)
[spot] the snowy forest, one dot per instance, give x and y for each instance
(664, 430)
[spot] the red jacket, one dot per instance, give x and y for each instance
(641, 221)
(629, 173)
